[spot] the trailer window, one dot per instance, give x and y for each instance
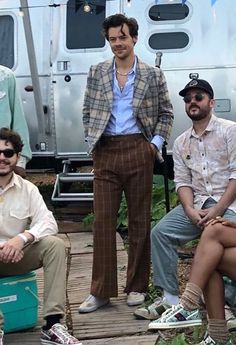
(168, 40)
(168, 12)
(84, 24)
(7, 41)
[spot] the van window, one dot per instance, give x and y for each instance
(168, 40)
(7, 41)
(168, 12)
(84, 24)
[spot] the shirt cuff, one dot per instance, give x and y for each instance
(158, 141)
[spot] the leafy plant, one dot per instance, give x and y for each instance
(178, 340)
(89, 219)
(158, 204)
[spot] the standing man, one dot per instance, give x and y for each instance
(127, 117)
(205, 178)
(27, 240)
(12, 115)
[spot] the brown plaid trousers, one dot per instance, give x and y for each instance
(122, 163)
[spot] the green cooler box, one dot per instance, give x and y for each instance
(19, 301)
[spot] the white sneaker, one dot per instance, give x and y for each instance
(152, 311)
(230, 318)
(1, 337)
(177, 317)
(92, 303)
(135, 298)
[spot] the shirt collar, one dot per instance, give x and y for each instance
(133, 69)
(14, 181)
(210, 127)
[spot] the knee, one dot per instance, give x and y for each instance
(54, 243)
(213, 231)
(156, 233)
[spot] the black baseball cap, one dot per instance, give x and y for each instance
(198, 84)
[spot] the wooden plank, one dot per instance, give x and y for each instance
(134, 340)
(66, 226)
(26, 338)
(82, 243)
(80, 276)
(114, 320)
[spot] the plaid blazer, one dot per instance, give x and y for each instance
(151, 103)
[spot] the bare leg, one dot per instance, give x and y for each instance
(214, 241)
(215, 255)
(214, 297)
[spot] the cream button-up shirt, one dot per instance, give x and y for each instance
(207, 162)
(23, 208)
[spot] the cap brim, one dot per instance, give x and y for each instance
(185, 90)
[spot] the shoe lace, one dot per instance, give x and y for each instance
(153, 304)
(156, 304)
(61, 332)
(169, 312)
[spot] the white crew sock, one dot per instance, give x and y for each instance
(171, 299)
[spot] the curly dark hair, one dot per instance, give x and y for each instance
(119, 20)
(12, 137)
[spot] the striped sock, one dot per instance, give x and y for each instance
(217, 329)
(190, 299)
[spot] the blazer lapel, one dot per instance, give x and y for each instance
(106, 79)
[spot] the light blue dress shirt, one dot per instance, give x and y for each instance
(122, 120)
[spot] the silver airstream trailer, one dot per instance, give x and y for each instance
(50, 46)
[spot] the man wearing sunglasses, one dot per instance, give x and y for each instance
(12, 115)
(205, 177)
(27, 240)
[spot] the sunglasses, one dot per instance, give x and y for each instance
(198, 97)
(8, 153)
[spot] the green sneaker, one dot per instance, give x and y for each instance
(207, 340)
(152, 311)
(177, 317)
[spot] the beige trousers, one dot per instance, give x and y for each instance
(48, 253)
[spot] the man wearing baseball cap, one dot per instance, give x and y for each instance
(205, 177)
(198, 84)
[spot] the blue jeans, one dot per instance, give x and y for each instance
(173, 231)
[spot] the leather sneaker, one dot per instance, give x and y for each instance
(135, 298)
(152, 311)
(92, 303)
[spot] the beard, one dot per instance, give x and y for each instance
(5, 173)
(9, 168)
(202, 113)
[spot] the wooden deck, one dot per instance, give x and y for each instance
(111, 325)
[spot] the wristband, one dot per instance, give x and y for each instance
(23, 237)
